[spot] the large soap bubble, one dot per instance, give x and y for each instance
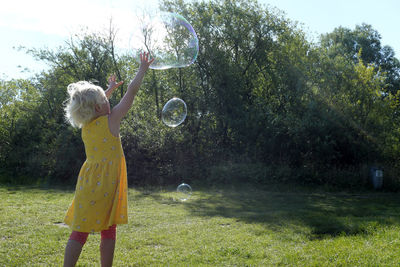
(170, 40)
(174, 112)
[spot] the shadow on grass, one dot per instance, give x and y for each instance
(325, 214)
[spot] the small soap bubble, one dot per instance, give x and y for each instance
(184, 191)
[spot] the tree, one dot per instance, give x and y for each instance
(348, 43)
(258, 95)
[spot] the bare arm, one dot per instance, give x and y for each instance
(120, 110)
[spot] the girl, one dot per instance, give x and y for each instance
(100, 201)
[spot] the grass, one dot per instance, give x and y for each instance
(227, 226)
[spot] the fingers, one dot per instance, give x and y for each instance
(111, 78)
(144, 57)
(115, 86)
(112, 84)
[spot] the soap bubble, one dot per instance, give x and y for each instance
(170, 40)
(174, 112)
(184, 191)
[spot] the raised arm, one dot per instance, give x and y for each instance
(120, 110)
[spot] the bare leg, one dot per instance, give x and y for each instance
(72, 252)
(107, 247)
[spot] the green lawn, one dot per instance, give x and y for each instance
(227, 226)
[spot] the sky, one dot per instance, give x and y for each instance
(50, 23)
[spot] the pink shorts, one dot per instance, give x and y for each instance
(81, 237)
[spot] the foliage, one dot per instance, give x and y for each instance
(365, 39)
(262, 100)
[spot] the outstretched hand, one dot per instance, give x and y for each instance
(145, 61)
(112, 85)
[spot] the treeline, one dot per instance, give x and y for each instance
(264, 104)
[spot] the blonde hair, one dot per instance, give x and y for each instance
(80, 107)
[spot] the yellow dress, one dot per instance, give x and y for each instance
(101, 190)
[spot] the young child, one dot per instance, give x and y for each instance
(100, 201)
